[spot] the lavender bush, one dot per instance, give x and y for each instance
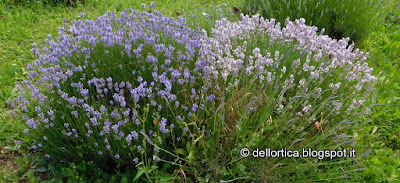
(123, 91)
(340, 18)
(146, 92)
(314, 66)
(285, 88)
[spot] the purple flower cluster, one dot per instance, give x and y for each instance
(322, 61)
(107, 78)
(76, 91)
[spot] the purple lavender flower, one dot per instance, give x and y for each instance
(31, 123)
(194, 108)
(163, 125)
(94, 121)
(115, 128)
(116, 114)
(135, 135)
(89, 132)
(103, 109)
(38, 109)
(122, 101)
(126, 112)
(75, 113)
(128, 138)
(211, 98)
(137, 122)
(84, 92)
(140, 79)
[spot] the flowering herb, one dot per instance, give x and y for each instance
(112, 80)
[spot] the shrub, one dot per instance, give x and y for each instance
(284, 88)
(144, 93)
(339, 18)
(120, 91)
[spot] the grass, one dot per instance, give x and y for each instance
(382, 44)
(20, 26)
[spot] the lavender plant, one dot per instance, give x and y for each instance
(340, 18)
(120, 91)
(146, 92)
(286, 88)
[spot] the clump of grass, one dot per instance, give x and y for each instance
(339, 18)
